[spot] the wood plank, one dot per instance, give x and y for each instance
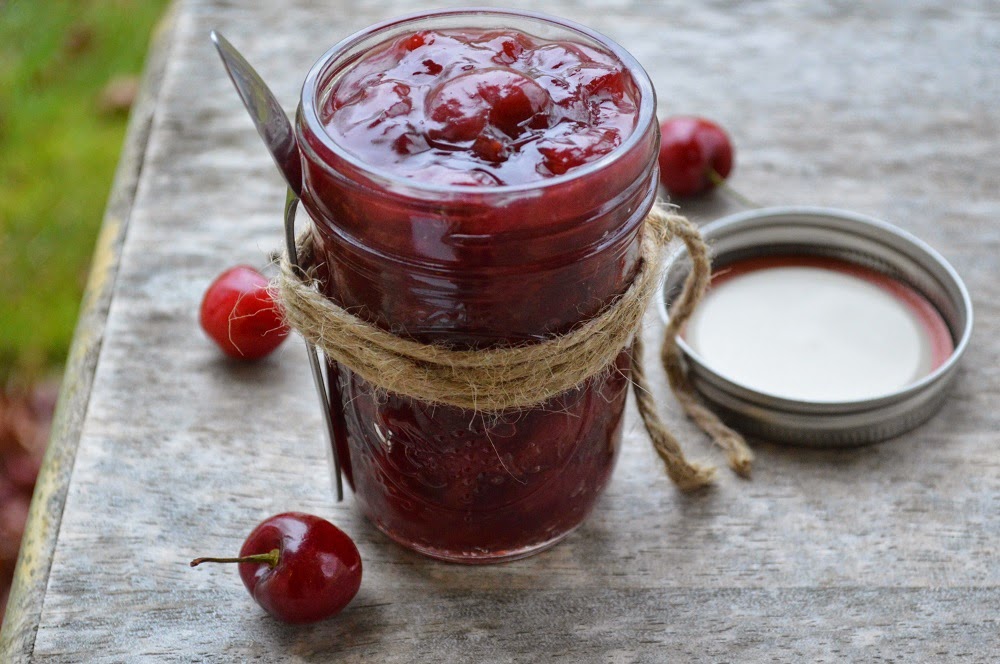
(887, 551)
(598, 625)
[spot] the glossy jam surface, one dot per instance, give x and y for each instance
(475, 267)
(484, 108)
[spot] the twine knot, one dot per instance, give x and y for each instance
(528, 375)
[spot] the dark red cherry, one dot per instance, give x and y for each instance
(239, 314)
(695, 155)
(298, 567)
(576, 147)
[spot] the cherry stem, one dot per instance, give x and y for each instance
(271, 558)
(720, 182)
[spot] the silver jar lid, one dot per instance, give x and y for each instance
(852, 238)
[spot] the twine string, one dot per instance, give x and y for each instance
(528, 375)
(738, 453)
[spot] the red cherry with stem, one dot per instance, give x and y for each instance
(696, 155)
(298, 567)
(239, 314)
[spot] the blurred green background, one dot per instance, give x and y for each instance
(68, 72)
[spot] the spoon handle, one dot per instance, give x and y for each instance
(291, 204)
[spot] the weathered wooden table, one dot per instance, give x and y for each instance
(163, 450)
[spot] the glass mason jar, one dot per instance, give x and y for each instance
(476, 267)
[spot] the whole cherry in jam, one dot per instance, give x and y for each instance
(501, 98)
(696, 155)
(239, 314)
(298, 567)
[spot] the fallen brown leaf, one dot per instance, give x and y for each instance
(118, 95)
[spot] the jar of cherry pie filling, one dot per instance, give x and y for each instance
(477, 179)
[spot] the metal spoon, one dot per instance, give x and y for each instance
(279, 138)
(269, 118)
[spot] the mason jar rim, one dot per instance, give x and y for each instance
(309, 98)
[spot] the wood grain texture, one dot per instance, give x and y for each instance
(884, 553)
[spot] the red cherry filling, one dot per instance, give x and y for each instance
(433, 68)
(376, 104)
(598, 80)
(503, 98)
(490, 148)
(557, 57)
(416, 40)
(508, 47)
(576, 146)
(431, 105)
(409, 143)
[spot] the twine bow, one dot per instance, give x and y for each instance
(525, 376)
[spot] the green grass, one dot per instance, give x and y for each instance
(58, 153)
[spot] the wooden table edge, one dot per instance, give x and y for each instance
(31, 575)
